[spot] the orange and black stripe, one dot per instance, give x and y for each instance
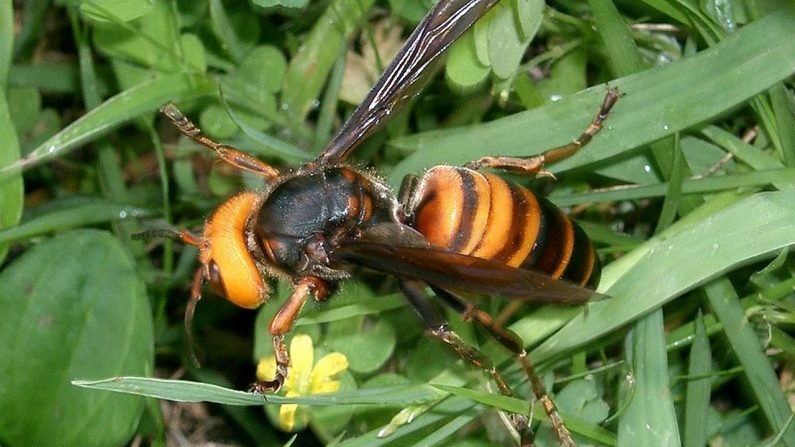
(484, 215)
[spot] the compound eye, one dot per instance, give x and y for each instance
(215, 281)
(240, 283)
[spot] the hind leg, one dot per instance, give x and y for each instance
(534, 166)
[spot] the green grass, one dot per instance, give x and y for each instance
(688, 193)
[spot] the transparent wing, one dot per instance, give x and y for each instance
(401, 80)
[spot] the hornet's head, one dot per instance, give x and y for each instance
(226, 253)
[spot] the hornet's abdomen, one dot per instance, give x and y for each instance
(483, 215)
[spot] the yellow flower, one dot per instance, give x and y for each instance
(304, 376)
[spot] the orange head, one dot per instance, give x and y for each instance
(225, 253)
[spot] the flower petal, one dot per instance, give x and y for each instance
(266, 368)
(331, 364)
(328, 366)
(302, 354)
(329, 386)
(287, 416)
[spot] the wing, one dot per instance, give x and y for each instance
(460, 273)
(443, 24)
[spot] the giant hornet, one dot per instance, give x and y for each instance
(455, 230)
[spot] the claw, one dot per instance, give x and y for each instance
(546, 173)
(267, 386)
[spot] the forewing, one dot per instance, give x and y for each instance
(401, 80)
(460, 273)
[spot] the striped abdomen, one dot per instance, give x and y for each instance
(483, 215)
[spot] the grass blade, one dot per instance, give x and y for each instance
(125, 106)
(698, 388)
(649, 419)
(723, 236)
(187, 391)
(745, 344)
(11, 190)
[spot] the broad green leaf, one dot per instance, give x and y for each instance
(463, 69)
(151, 41)
(583, 399)
(481, 37)
(11, 187)
(329, 420)
(568, 75)
(25, 107)
(367, 344)
(216, 123)
(73, 212)
(193, 52)
(307, 72)
(430, 358)
(73, 308)
(507, 43)
(109, 11)
(267, 145)
(263, 68)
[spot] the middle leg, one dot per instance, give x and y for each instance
(439, 328)
(513, 343)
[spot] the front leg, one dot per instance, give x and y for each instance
(282, 323)
(231, 155)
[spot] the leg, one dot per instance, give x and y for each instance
(407, 188)
(195, 296)
(282, 323)
(534, 165)
(183, 235)
(413, 290)
(229, 154)
(513, 343)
